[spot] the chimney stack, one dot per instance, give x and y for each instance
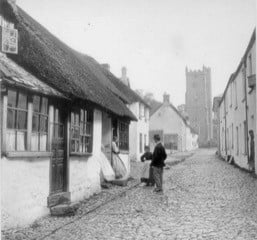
(106, 66)
(124, 77)
(124, 74)
(166, 98)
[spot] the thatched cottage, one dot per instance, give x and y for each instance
(57, 110)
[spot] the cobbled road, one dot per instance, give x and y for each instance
(204, 198)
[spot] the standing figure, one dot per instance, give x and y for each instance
(159, 156)
(117, 164)
(147, 170)
(252, 151)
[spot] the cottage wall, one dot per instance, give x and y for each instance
(135, 129)
(85, 171)
(25, 187)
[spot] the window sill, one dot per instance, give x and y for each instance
(81, 154)
(28, 154)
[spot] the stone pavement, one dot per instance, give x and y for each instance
(204, 198)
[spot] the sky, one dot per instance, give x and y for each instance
(154, 39)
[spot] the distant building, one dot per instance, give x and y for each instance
(237, 110)
(174, 129)
(199, 103)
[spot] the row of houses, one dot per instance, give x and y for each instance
(59, 112)
(235, 112)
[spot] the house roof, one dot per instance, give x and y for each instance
(157, 106)
(59, 66)
(14, 75)
(131, 95)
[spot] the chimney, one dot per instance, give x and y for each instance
(124, 77)
(124, 74)
(166, 98)
(106, 66)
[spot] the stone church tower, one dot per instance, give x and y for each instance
(199, 103)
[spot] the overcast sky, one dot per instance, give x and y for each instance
(154, 39)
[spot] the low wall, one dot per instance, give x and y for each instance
(24, 191)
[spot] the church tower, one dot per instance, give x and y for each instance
(199, 103)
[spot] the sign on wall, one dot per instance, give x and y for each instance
(8, 37)
(9, 40)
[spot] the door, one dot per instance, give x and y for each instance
(58, 150)
(107, 136)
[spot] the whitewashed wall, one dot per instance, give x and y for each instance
(167, 119)
(85, 171)
(24, 191)
(135, 128)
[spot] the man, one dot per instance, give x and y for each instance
(159, 156)
(252, 152)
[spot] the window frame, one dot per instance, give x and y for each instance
(82, 131)
(27, 141)
(123, 135)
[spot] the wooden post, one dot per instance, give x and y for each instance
(50, 137)
(4, 123)
(29, 124)
(67, 150)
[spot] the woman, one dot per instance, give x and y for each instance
(117, 164)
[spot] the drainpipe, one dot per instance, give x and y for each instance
(246, 110)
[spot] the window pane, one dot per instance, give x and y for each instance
(61, 131)
(36, 103)
(21, 141)
(22, 120)
(56, 115)
(81, 115)
(73, 146)
(35, 122)
(76, 132)
(12, 95)
(88, 129)
(44, 105)
(22, 101)
(77, 119)
(43, 141)
(86, 115)
(11, 116)
(34, 141)
(72, 118)
(43, 124)
(77, 146)
(10, 140)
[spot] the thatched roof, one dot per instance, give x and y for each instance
(14, 75)
(59, 66)
(131, 95)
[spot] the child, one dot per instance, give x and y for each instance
(147, 172)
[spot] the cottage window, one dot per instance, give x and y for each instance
(39, 124)
(17, 114)
(123, 129)
(81, 131)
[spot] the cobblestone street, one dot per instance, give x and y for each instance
(204, 198)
